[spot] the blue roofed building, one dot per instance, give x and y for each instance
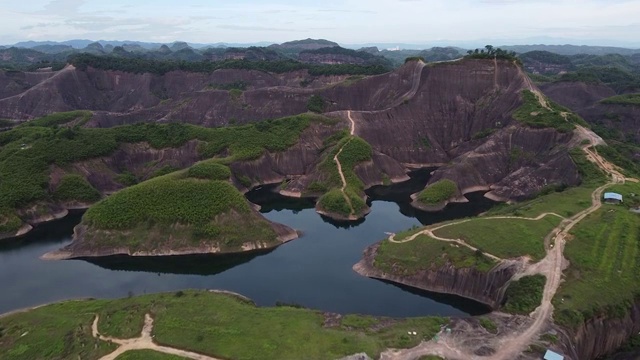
(550, 355)
(612, 198)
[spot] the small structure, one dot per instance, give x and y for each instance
(612, 198)
(550, 355)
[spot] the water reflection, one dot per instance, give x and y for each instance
(188, 265)
(314, 271)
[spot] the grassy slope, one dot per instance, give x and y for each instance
(504, 238)
(604, 260)
(213, 324)
(199, 212)
(424, 253)
(531, 113)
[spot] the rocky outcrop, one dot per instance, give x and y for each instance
(584, 99)
(487, 288)
(603, 335)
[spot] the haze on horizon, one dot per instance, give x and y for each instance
(459, 22)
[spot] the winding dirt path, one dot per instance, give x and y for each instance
(144, 342)
(430, 231)
(512, 345)
(352, 130)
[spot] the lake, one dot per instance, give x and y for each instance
(313, 271)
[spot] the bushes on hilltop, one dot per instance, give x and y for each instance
(438, 192)
(489, 52)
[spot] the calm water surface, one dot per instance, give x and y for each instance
(314, 271)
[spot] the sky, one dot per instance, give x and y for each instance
(602, 22)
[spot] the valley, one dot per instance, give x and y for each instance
(170, 160)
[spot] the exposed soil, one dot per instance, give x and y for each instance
(145, 341)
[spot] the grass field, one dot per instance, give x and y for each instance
(605, 260)
(566, 203)
(504, 238)
(424, 253)
(213, 324)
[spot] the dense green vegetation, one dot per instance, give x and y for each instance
(354, 151)
(316, 104)
(524, 295)
(209, 170)
(438, 192)
(192, 202)
(27, 151)
(533, 114)
(176, 212)
(626, 99)
(142, 65)
(504, 238)
(73, 187)
(213, 324)
(605, 259)
(425, 253)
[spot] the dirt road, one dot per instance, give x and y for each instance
(511, 346)
(144, 342)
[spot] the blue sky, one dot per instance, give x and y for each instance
(346, 21)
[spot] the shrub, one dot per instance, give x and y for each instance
(75, 187)
(489, 325)
(126, 179)
(438, 192)
(316, 104)
(210, 171)
(525, 295)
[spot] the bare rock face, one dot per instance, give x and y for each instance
(600, 336)
(584, 99)
(329, 59)
(487, 288)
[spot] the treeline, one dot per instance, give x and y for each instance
(489, 52)
(160, 67)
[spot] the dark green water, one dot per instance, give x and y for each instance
(314, 271)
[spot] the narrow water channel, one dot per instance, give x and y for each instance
(313, 271)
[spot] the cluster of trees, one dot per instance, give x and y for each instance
(192, 202)
(438, 192)
(489, 52)
(160, 67)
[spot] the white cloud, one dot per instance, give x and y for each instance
(345, 21)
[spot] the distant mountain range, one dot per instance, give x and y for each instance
(313, 44)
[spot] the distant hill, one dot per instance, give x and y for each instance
(297, 46)
(572, 49)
